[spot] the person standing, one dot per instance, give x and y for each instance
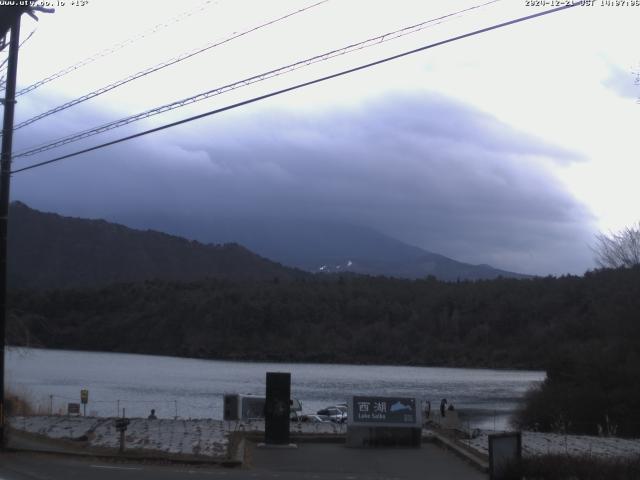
(443, 407)
(152, 416)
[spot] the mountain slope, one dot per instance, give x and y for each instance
(326, 246)
(47, 250)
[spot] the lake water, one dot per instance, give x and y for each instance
(190, 388)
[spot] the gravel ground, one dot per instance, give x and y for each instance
(536, 443)
(183, 437)
(211, 437)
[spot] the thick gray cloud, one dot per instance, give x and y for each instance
(421, 168)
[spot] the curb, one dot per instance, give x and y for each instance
(257, 437)
(129, 458)
(450, 444)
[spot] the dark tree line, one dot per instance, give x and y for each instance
(585, 331)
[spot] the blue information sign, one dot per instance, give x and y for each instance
(384, 410)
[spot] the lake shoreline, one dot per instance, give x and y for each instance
(279, 362)
(194, 388)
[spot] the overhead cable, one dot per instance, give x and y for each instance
(243, 83)
(118, 46)
(3, 64)
(297, 86)
(160, 66)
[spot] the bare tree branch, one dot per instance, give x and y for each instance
(618, 249)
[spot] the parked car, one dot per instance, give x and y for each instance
(334, 414)
(311, 418)
(295, 410)
(343, 408)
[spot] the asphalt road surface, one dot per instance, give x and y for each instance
(308, 461)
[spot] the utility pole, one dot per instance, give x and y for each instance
(9, 21)
(5, 181)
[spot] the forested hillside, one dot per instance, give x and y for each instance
(497, 323)
(48, 250)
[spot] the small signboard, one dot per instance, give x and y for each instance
(84, 396)
(505, 453)
(73, 409)
(121, 424)
(385, 411)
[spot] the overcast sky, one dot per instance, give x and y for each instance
(511, 148)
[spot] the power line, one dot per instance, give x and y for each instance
(4, 62)
(28, 37)
(243, 83)
(110, 50)
(160, 66)
(4, 67)
(298, 86)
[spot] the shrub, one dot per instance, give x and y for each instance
(17, 404)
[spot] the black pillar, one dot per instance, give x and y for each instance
(276, 409)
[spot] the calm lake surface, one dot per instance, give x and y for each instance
(190, 388)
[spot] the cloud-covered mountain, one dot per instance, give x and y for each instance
(329, 247)
(419, 167)
(47, 250)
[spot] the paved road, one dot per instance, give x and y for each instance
(309, 461)
(335, 461)
(27, 466)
